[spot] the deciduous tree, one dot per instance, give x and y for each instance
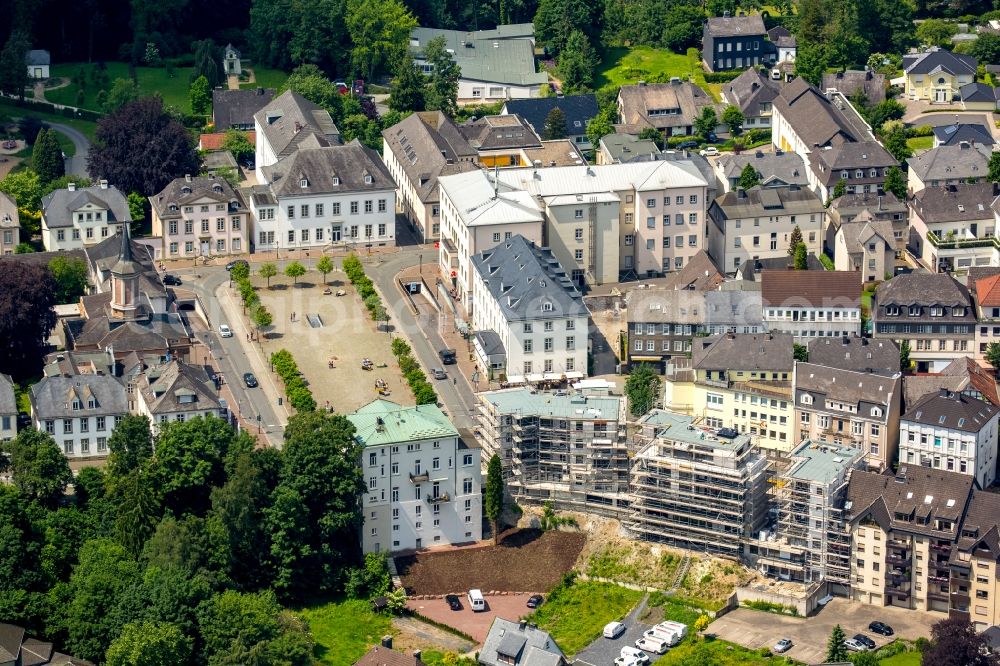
(601, 125)
(267, 271)
(324, 266)
(295, 270)
(683, 28)
(27, 294)
(992, 355)
(71, 278)
(26, 188)
(706, 122)
(130, 444)
(936, 32)
(442, 90)
(149, 644)
(39, 469)
(493, 502)
(238, 144)
(252, 628)
(140, 148)
(407, 87)
(208, 63)
(200, 95)
(642, 388)
(895, 182)
(380, 33)
(733, 118)
(123, 91)
(955, 642)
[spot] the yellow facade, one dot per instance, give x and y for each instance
(758, 403)
(940, 87)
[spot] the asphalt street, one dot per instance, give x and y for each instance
(604, 651)
(76, 165)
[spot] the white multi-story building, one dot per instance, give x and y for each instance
(317, 197)
(951, 431)
(811, 304)
(76, 217)
(174, 391)
(79, 411)
(289, 123)
(520, 292)
(424, 481)
(200, 216)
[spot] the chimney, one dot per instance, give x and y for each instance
(417, 654)
(71, 187)
(103, 184)
(187, 178)
(387, 641)
(964, 145)
(880, 201)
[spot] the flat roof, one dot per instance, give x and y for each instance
(568, 406)
(821, 461)
(681, 428)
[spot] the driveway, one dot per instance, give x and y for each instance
(76, 165)
(755, 629)
(604, 651)
(511, 607)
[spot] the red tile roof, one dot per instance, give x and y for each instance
(988, 291)
(811, 288)
(214, 141)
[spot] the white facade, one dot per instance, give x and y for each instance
(79, 412)
(951, 449)
(87, 219)
(805, 322)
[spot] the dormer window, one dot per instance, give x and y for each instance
(892, 310)
(304, 182)
(368, 179)
(546, 307)
(91, 404)
(807, 399)
(914, 310)
(186, 190)
(217, 188)
(336, 180)
(958, 312)
(77, 405)
(173, 208)
(937, 312)
(877, 412)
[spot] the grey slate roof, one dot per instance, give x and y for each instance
(52, 397)
(760, 201)
(777, 168)
(930, 289)
(104, 255)
(625, 147)
(855, 353)
(234, 108)
(8, 403)
(499, 132)
(735, 26)
(750, 90)
(955, 203)
(935, 59)
(749, 352)
(521, 644)
(37, 57)
(291, 121)
(58, 206)
(872, 84)
(780, 36)
(951, 410)
(957, 162)
(636, 101)
(853, 155)
(578, 110)
(850, 205)
(950, 135)
(686, 306)
(163, 386)
(491, 343)
(350, 163)
(914, 490)
(522, 277)
(977, 92)
(849, 386)
(428, 145)
(505, 55)
(816, 119)
(857, 233)
(218, 159)
(181, 191)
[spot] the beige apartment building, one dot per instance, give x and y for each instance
(200, 216)
(975, 566)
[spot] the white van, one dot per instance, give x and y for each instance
(629, 653)
(476, 601)
(678, 628)
(661, 633)
(652, 644)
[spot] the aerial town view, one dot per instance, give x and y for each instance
(500, 333)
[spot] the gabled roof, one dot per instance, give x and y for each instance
(685, 306)
(428, 145)
(977, 92)
(939, 60)
(504, 55)
(182, 191)
(748, 352)
(853, 155)
(9, 217)
(847, 386)
(938, 289)
(781, 37)
(955, 203)
(735, 26)
(385, 422)
(857, 234)
(58, 206)
(638, 101)
(851, 204)
(979, 528)
(950, 135)
(827, 289)
(961, 375)
(290, 120)
(769, 201)
(699, 273)
(954, 162)
(750, 90)
(178, 387)
(331, 169)
(232, 108)
(988, 291)
(520, 644)
(951, 410)
(855, 353)
(817, 120)
(527, 282)
(774, 168)
(52, 397)
(498, 133)
(872, 84)
(578, 110)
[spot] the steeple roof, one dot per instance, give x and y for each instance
(126, 264)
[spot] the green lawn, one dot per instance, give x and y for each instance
(344, 630)
(10, 110)
(717, 653)
(920, 142)
(174, 90)
(674, 610)
(575, 615)
(622, 65)
(266, 78)
(902, 659)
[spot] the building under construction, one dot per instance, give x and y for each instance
(569, 449)
(809, 542)
(696, 487)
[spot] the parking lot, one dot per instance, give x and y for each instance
(604, 651)
(754, 629)
(477, 625)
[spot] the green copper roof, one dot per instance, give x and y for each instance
(383, 422)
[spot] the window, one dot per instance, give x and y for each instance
(570, 343)
(291, 212)
(354, 208)
(693, 199)
(650, 203)
(368, 205)
(578, 214)
(381, 205)
(650, 222)
(319, 210)
(578, 234)
(335, 208)
(692, 218)
(629, 238)
(381, 230)
(527, 327)
(528, 346)
(467, 486)
(578, 255)
(172, 227)
(548, 344)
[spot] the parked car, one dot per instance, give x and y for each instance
(855, 645)
(654, 645)
(535, 600)
(625, 661)
(635, 655)
(684, 145)
(237, 262)
(171, 280)
(438, 373)
(448, 356)
(882, 628)
(783, 645)
(864, 640)
(711, 151)
(453, 602)
(614, 629)
(225, 331)
(250, 380)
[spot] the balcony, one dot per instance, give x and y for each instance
(950, 242)
(941, 547)
(419, 477)
(938, 579)
(897, 559)
(437, 499)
